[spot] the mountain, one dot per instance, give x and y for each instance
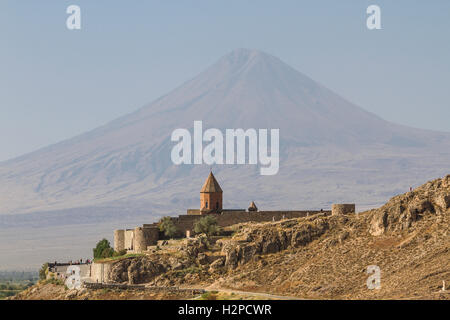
(330, 150)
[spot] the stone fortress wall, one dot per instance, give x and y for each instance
(61, 270)
(138, 239)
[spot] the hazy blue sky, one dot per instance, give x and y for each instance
(57, 83)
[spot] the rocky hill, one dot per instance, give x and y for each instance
(318, 257)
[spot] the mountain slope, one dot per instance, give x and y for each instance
(331, 150)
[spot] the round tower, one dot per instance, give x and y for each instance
(342, 208)
(140, 241)
(119, 240)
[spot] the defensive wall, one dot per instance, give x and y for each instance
(59, 270)
(100, 272)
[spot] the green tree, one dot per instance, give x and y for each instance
(207, 225)
(166, 225)
(43, 271)
(103, 249)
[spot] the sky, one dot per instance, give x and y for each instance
(56, 83)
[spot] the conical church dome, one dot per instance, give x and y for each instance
(211, 185)
(252, 207)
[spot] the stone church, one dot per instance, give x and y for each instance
(211, 203)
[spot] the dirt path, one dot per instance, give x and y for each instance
(249, 293)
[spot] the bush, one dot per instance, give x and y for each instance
(209, 296)
(107, 253)
(103, 250)
(166, 225)
(55, 281)
(43, 271)
(207, 225)
(183, 272)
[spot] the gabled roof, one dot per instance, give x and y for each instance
(211, 184)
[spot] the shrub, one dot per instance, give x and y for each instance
(207, 225)
(43, 271)
(55, 281)
(166, 225)
(183, 272)
(209, 296)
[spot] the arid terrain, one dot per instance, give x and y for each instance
(316, 257)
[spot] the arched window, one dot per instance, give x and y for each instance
(217, 205)
(206, 205)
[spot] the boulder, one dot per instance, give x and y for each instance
(136, 270)
(271, 245)
(119, 271)
(443, 201)
(71, 294)
(420, 205)
(247, 252)
(378, 224)
(231, 255)
(202, 258)
(217, 265)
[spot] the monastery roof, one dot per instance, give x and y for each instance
(211, 184)
(252, 207)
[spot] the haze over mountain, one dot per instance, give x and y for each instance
(330, 150)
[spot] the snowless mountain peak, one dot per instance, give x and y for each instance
(330, 149)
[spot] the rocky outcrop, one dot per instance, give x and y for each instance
(136, 270)
(144, 269)
(217, 265)
(271, 238)
(402, 211)
(197, 253)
